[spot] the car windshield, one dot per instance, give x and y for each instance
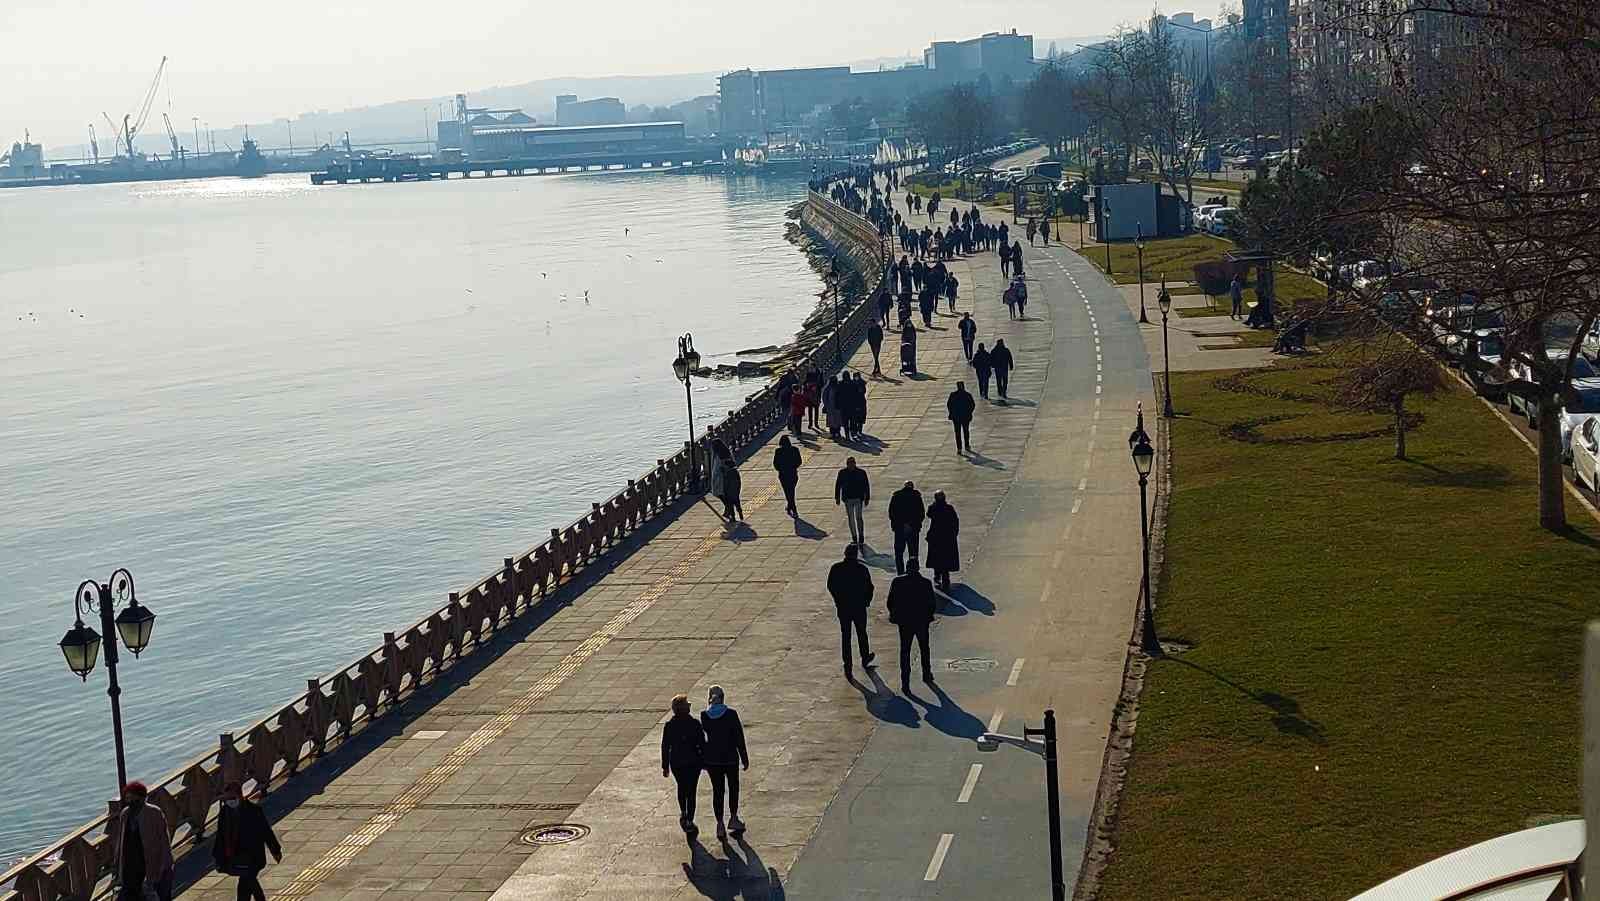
(1588, 401)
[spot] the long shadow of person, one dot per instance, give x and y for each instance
(970, 598)
(978, 459)
(885, 704)
(737, 874)
(805, 529)
(948, 717)
(740, 532)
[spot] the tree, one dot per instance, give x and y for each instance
(1049, 108)
(955, 121)
(1389, 371)
(1470, 148)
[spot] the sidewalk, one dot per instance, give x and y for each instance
(560, 721)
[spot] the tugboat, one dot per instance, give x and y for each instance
(251, 163)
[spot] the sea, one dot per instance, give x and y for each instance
(301, 415)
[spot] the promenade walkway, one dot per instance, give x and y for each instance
(559, 722)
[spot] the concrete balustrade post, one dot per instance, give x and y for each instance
(229, 767)
(508, 573)
(391, 668)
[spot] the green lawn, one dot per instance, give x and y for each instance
(1173, 256)
(1385, 655)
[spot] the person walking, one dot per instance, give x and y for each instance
(885, 304)
(912, 605)
(850, 584)
(243, 839)
(906, 513)
(726, 481)
(969, 332)
(1044, 231)
(141, 848)
(983, 367)
(830, 406)
(1016, 258)
(786, 460)
(908, 350)
(814, 386)
(951, 284)
(1019, 291)
(683, 754)
(875, 341)
(959, 406)
(944, 551)
(1001, 359)
(858, 419)
(797, 409)
(851, 488)
(725, 755)
(1032, 230)
(1005, 260)
(1236, 294)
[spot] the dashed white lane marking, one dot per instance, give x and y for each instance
(938, 857)
(1083, 483)
(1044, 596)
(1097, 388)
(970, 784)
(1097, 404)
(1096, 414)
(1077, 505)
(1055, 563)
(1016, 671)
(994, 721)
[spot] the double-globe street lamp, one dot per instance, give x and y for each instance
(1138, 244)
(1144, 458)
(684, 366)
(81, 644)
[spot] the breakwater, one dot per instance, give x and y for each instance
(334, 708)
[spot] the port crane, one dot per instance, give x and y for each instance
(94, 143)
(131, 127)
(177, 151)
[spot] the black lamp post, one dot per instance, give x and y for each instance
(1105, 233)
(1164, 300)
(833, 280)
(688, 360)
(1144, 458)
(1138, 244)
(1041, 742)
(81, 644)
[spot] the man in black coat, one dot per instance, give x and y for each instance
(875, 341)
(969, 333)
(906, 513)
(850, 583)
(911, 607)
(851, 488)
(243, 839)
(959, 406)
(1000, 359)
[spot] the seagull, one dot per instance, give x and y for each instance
(624, 231)
(628, 255)
(544, 275)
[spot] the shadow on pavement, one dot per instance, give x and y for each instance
(978, 459)
(804, 529)
(885, 704)
(740, 532)
(971, 599)
(738, 875)
(948, 717)
(1014, 402)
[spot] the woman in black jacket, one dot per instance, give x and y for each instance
(243, 838)
(786, 460)
(683, 751)
(944, 552)
(725, 754)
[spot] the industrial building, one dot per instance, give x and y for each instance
(597, 111)
(479, 133)
(752, 103)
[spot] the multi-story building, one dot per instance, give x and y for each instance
(994, 54)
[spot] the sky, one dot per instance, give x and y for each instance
(63, 62)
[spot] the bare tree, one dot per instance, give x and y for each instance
(1383, 376)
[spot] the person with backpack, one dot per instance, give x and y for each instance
(786, 460)
(683, 752)
(969, 331)
(725, 755)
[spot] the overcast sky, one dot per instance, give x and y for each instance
(63, 62)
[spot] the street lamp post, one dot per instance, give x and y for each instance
(833, 279)
(1138, 244)
(1105, 232)
(1144, 457)
(1164, 300)
(1041, 742)
(687, 361)
(81, 644)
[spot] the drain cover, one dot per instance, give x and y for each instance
(556, 834)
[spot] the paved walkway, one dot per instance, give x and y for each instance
(559, 722)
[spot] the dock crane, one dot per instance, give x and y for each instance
(116, 134)
(177, 151)
(94, 143)
(131, 127)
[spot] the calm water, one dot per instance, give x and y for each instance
(301, 415)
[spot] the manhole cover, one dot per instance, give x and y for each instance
(558, 834)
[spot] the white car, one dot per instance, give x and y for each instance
(1586, 454)
(1202, 214)
(1586, 405)
(1220, 221)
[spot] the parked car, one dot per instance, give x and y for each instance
(1370, 276)
(1202, 214)
(1220, 221)
(1486, 376)
(1586, 455)
(1583, 405)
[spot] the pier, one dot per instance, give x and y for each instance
(407, 168)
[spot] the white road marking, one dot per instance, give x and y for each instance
(1077, 505)
(994, 721)
(970, 784)
(1097, 414)
(938, 857)
(1016, 671)
(1097, 389)
(1060, 555)
(1083, 483)
(1097, 404)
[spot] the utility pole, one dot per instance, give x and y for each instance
(196, 121)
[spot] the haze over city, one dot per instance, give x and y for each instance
(227, 68)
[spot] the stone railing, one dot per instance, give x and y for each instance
(332, 709)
